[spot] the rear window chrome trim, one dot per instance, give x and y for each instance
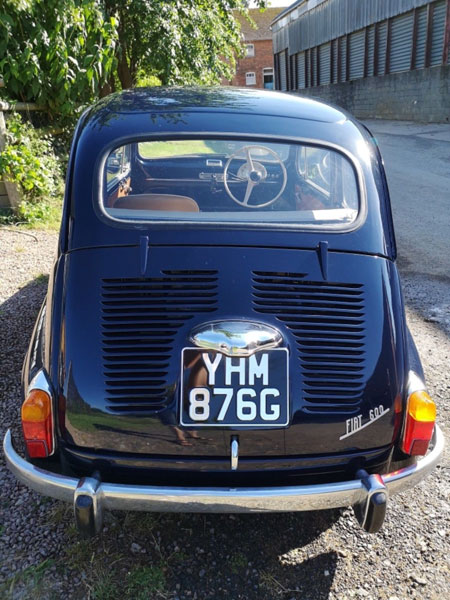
(232, 225)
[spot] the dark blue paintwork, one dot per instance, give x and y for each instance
(342, 368)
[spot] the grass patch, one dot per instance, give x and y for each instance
(144, 582)
(32, 578)
(238, 561)
(44, 215)
(104, 589)
(79, 554)
(140, 522)
(41, 278)
(60, 513)
(174, 148)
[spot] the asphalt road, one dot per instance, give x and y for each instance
(417, 162)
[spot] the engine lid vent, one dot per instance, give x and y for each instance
(327, 321)
(140, 319)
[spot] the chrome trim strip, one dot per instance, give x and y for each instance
(213, 162)
(40, 382)
(270, 138)
(235, 338)
(374, 484)
(219, 500)
(415, 383)
(89, 486)
(234, 447)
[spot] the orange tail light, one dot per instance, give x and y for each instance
(37, 424)
(419, 424)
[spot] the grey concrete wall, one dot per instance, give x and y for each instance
(421, 95)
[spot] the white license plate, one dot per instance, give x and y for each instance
(224, 391)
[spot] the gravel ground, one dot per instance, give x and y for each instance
(289, 556)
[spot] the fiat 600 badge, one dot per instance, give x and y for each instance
(224, 328)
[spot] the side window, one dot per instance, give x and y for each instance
(328, 173)
(118, 165)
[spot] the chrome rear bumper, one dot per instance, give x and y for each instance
(114, 496)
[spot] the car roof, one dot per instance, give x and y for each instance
(219, 99)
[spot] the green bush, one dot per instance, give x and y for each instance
(30, 161)
(145, 80)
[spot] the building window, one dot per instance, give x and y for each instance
(249, 50)
(250, 78)
(268, 78)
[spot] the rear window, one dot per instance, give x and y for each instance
(230, 181)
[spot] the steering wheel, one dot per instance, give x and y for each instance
(254, 173)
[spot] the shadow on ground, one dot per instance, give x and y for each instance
(17, 319)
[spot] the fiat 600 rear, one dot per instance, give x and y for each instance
(224, 328)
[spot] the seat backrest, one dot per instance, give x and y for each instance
(168, 202)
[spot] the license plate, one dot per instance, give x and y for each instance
(224, 391)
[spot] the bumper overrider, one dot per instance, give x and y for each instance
(366, 493)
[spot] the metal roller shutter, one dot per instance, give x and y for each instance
(313, 56)
(356, 58)
(370, 49)
(438, 32)
(292, 72)
(335, 76)
(301, 79)
(325, 64)
(342, 59)
(381, 50)
(282, 63)
(421, 37)
(401, 43)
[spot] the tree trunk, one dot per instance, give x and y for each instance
(106, 89)
(123, 71)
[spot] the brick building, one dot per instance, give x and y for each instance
(256, 68)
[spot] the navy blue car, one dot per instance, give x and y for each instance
(224, 328)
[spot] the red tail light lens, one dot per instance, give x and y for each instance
(37, 424)
(419, 425)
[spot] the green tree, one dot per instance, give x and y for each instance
(57, 53)
(63, 54)
(179, 41)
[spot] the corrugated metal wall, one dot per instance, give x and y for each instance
(313, 74)
(282, 66)
(438, 31)
(342, 67)
(356, 45)
(370, 50)
(301, 78)
(334, 18)
(334, 46)
(401, 42)
(421, 37)
(325, 64)
(409, 40)
(380, 58)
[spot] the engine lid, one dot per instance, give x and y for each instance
(124, 333)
